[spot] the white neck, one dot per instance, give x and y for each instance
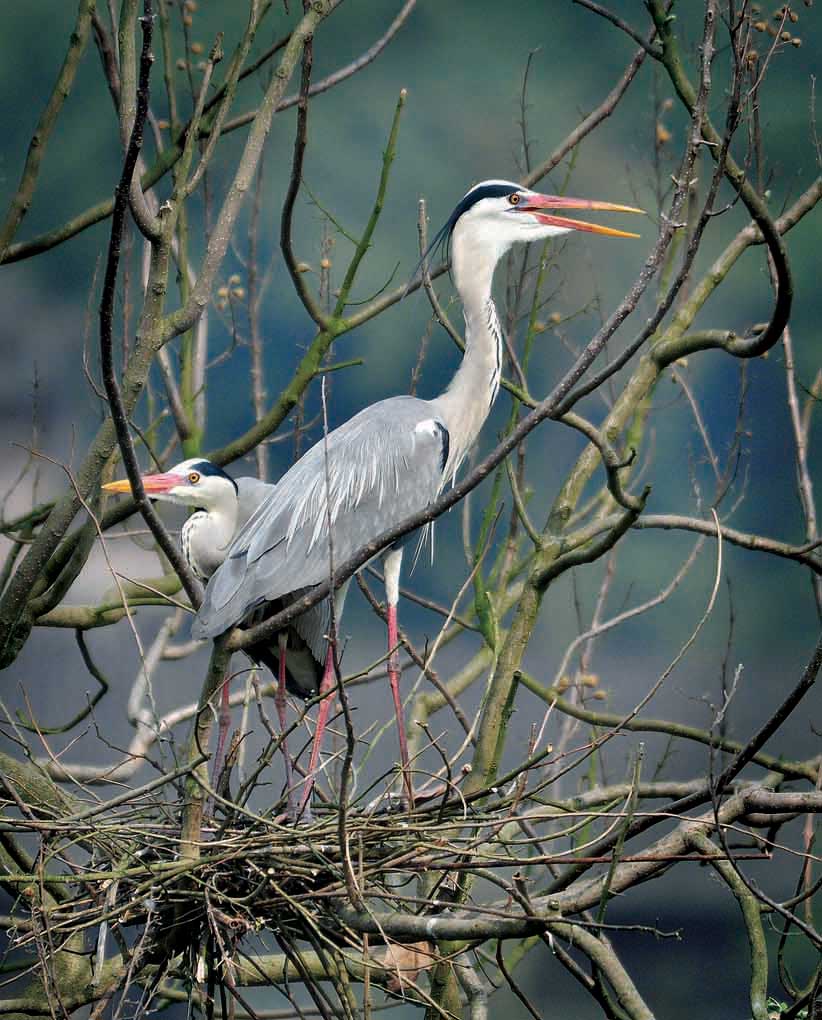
(206, 536)
(466, 402)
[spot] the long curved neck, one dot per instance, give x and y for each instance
(471, 393)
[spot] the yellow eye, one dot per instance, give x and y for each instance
(514, 199)
(194, 477)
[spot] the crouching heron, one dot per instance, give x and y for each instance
(223, 506)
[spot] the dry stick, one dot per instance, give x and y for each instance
(605, 960)
(603, 111)
(599, 741)
(175, 402)
(512, 984)
(259, 394)
(68, 820)
(286, 220)
(587, 653)
(599, 626)
(194, 349)
(21, 200)
(753, 889)
(610, 461)
(603, 720)
(493, 921)
(423, 919)
(148, 224)
(620, 24)
(800, 438)
(167, 159)
(137, 749)
(679, 378)
(124, 601)
(118, 411)
(759, 344)
(214, 57)
(142, 689)
(753, 923)
(168, 67)
(807, 681)
(519, 506)
(735, 766)
(474, 988)
(125, 610)
(679, 522)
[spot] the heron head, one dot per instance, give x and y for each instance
(494, 215)
(194, 482)
(504, 213)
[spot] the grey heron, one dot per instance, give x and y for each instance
(224, 505)
(393, 458)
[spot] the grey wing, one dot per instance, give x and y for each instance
(384, 464)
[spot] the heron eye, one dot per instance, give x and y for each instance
(194, 477)
(514, 199)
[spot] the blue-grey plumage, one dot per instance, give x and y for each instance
(284, 546)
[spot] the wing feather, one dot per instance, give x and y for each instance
(383, 465)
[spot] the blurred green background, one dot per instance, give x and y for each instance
(462, 63)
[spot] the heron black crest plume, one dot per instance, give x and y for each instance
(441, 242)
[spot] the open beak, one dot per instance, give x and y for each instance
(534, 204)
(153, 484)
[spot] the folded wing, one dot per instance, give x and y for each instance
(381, 466)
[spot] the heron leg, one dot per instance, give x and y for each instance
(223, 722)
(327, 686)
(280, 702)
(392, 561)
(394, 674)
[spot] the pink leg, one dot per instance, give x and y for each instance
(394, 674)
(328, 682)
(279, 701)
(224, 721)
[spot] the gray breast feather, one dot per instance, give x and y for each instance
(384, 464)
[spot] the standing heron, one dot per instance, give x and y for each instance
(392, 459)
(224, 505)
